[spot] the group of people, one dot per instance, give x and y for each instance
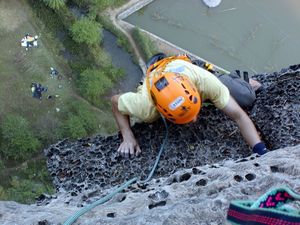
(37, 89)
(175, 87)
(29, 41)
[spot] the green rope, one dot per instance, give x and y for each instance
(87, 208)
(159, 153)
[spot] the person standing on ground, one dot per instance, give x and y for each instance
(37, 89)
(175, 88)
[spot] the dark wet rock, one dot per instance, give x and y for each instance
(277, 109)
(158, 196)
(157, 204)
(92, 163)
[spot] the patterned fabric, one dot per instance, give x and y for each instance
(269, 209)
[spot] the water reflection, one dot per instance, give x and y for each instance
(256, 35)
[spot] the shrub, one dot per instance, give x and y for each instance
(114, 73)
(93, 84)
(55, 4)
(74, 127)
(86, 115)
(101, 4)
(18, 139)
(100, 56)
(47, 129)
(23, 190)
(86, 31)
(2, 194)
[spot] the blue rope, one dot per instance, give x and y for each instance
(87, 208)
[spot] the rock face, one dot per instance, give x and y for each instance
(205, 165)
(277, 109)
(199, 195)
(92, 163)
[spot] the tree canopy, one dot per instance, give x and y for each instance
(93, 84)
(18, 139)
(86, 31)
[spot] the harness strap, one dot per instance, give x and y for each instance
(159, 67)
(161, 64)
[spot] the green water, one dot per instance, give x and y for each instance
(254, 35)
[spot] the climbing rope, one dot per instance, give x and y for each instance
(126, 184)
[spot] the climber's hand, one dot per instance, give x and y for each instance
(129, 146)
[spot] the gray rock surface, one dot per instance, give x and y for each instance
(205, 165)
(200, 195)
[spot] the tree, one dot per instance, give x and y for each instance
(86, 31)
(93, 84)
(55, 4)
(18, 139)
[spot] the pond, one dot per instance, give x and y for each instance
(253, 35)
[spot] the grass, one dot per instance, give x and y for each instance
(18, 69)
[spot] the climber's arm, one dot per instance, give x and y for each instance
(129, 144)
(246, 126)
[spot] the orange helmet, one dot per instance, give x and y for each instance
(175, 97)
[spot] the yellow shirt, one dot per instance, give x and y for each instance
(140, 106)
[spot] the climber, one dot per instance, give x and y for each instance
(176, 88)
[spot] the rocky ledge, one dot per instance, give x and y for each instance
(199, 195)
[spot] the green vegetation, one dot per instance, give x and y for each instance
(80, 122)
(34, 124)
(55, 4)
(74, 127)
(28, 125)
(146, 45)
(93, 84)
(18, 141)
(28, 181)
(86, 31)
(122, 39)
